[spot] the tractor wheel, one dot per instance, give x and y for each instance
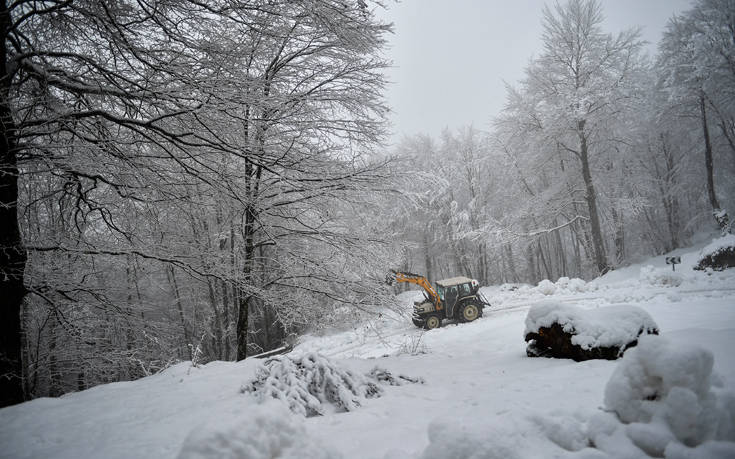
(469, 312)
(432, 321)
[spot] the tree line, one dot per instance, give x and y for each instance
(601, 155)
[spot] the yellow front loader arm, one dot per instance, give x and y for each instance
(421, 281)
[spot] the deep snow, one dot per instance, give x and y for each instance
(481, 396)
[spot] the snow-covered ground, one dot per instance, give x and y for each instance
(480, 396)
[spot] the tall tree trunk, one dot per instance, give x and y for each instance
(427, 258)
(180, 308)
(720, 216)
(591, 197)
(248, 268)
(619, 235)
(12, 252)
(511, 263)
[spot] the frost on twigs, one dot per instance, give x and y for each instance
(662, 402)
(718, 255)
(313, 385)
(563, 331)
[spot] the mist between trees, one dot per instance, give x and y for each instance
(201, 180)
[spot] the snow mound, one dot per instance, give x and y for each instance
(311, 385)
(660, 277)
(573, 285)
(718, 255)
(662, 403)
(563, 285)
(506, 438)
(603, 327)
(546, 287)
(264, 432)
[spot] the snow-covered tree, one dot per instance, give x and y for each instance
(697, 66)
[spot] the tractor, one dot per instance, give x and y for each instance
(455, 298)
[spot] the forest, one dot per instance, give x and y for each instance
(185, 180)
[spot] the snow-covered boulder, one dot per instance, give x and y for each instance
(661, 402)
(718, 255)
(263, 432)
(564, 331)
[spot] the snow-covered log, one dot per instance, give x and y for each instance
(718, 255)
(563, 331)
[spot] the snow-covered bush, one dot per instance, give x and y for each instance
(263, 432)
(718, 255)
(546, 287)
(311, 385)
(660, 277)
(565, 331)
(662, 402)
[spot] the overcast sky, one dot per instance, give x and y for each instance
(451, 57)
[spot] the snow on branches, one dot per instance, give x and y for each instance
(313, 385)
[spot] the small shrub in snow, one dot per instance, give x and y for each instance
(264, 432)
(385, 377)
(311, 385)
(563, 331)
(413, 345)
(660, 277)
(718, 255)
(546, 287)
(664, 404)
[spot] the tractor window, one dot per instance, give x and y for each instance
(464, 289)
(440, 292)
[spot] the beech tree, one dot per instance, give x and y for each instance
(583, 81)
(201, 142)
(697, 68)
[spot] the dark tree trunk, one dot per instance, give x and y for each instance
(721, 217)
(427, 258)
(12, 251)
(591, 197)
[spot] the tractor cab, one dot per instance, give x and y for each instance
(454, 291)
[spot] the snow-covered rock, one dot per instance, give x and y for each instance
(718, 255)
(661, 402)
(568, 331)
(264, 432)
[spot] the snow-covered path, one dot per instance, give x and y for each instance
(478, 382)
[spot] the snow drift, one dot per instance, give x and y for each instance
(268, 431)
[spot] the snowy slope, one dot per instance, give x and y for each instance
(481, 397)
